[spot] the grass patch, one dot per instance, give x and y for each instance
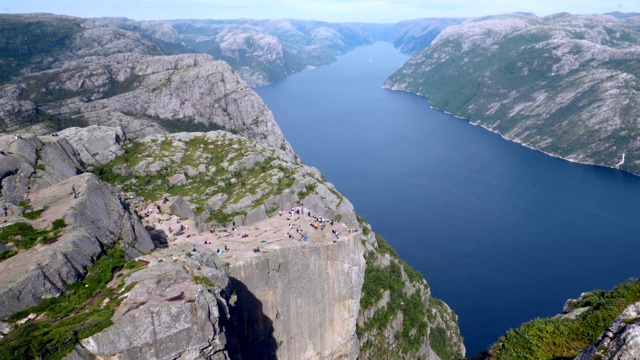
(79, 313)
(24, 236)
(201, 279)
(308, 189)
(377, 281)
(33, 215)
(219, 170)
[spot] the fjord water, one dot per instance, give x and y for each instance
(502, 233)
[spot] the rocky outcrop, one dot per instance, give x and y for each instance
(177, 308)
(160, 92)
(43, 175)
(95, 144)
(398, 317)
(116, 72)
(228, 177)
(310, 295)
(563, 84)
(621, 339)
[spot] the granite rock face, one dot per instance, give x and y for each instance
(621, 339)
(309, 295)
(44, 175)
(118, 72)
(168, 314)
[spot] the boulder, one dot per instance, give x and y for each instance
(95, 144)
(170, 313)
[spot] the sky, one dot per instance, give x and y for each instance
(387, 11)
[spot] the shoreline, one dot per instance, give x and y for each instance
(517, 141)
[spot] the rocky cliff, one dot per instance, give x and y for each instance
(597, 325)
(296, 301)
(38, 185)
(113, 72)
(86, 206)
(564, 84)
(311, 295)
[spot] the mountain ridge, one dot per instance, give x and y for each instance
(562, 84)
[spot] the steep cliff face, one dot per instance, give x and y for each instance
(301, 301)
(311, 294)
(563, 84)
(304, 300)
(398, 317)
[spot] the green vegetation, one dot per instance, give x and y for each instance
(33, 214)
(218, 159)
(557, 338)
(23, 236)
(46, 88)
(27, 42)
(363, 225)
(439, 336)
(55, 123)
(308, 190)
(85, 309)
(201, 279)
(188, 125)
(377, 281)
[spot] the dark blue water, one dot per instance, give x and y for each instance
(502, 233)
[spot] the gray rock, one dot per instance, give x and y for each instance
(58, 161)
(95, 144)
(621, 339)
(168, 314)
(178, 179)
(217, 200)
(95, 219)
(178, 206)
(299, 301)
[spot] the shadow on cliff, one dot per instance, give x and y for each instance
(254, 330)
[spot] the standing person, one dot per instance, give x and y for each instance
(73, 189)
(4, 209)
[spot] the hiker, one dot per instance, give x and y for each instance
(73, 188)
(4, 209)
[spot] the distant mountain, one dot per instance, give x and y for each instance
(414, 35)
(621, 15)
(564, 84)
(264, 51)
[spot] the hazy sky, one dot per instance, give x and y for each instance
(328, 10)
